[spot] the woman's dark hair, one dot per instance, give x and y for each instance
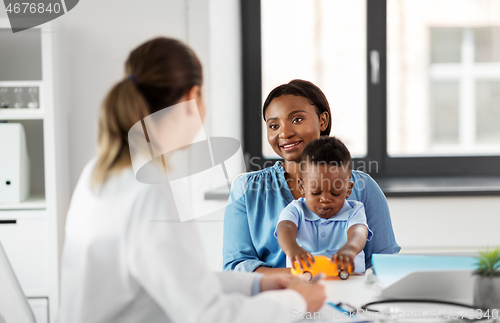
(307, 90)
(158, 73)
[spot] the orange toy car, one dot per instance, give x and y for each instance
(323, 265)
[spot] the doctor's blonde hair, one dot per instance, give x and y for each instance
(158, 74)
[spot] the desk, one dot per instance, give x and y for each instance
(354, 291)
(358, 291)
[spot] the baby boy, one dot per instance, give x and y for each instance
(324, 222)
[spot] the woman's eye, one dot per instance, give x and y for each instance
(295, 120)
(273, 126)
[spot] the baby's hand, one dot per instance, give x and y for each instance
(298, 254)
(344, 259)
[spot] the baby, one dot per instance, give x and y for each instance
(324, 222)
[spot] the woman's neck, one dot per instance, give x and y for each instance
(292, 172)
(292, 168)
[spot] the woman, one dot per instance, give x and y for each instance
(295, 114)
(122, 264)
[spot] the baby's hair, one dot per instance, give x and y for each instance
(307, 90)
(328, 151)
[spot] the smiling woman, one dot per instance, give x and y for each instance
(287, 112)
(295, 113)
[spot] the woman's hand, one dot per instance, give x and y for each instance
(313, 293)
(272, 271)
(274, 282)
(345, 259)
(299, 254)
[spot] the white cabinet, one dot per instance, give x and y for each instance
(24, 235)
(31, 77)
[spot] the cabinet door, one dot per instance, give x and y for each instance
(24, 237)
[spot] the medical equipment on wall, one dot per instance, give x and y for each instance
(14, 163)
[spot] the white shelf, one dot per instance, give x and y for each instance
(46, 130)
(34, 202)
(21, 83)
(21, 114)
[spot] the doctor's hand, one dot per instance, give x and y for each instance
(274, 282)
(313, 293)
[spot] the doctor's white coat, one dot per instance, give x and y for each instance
(127, 258)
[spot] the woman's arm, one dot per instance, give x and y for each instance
(377, 215)
(166, 261)
(272, 271)
(238, 250)
(234, 282)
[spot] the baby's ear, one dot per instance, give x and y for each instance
(300, 181)
(349, 189)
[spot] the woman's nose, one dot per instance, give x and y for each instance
(286, 132)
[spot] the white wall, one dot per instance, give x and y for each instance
(454, 224)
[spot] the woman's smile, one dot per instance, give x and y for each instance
(291, 145)
(292, 122)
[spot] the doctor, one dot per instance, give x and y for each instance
(120, 266)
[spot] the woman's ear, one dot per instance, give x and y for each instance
(195, 93)
(323, 121)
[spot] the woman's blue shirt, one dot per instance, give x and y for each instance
(255, 204)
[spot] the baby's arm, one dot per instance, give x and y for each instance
(287, 235)
(356, 240)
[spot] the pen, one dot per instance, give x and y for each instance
(316, 278)
(352, 308)
(338, 308)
